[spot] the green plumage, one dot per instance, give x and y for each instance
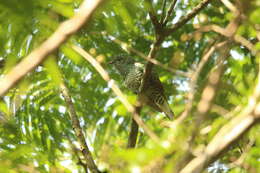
(153, 94)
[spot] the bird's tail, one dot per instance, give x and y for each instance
(167, 110)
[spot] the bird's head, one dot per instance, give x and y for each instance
(122, 63)
(122, 60)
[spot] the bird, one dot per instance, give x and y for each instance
(132, 74)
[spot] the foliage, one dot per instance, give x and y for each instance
(35, 127)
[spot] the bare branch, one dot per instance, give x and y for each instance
(226, 32)
(230, 6)
(152, 14)
(186, 18)
(160, 37)
(163, 11)
(244, 42)
(230, 32)
(78, 130)
(169, 13)
(63, 32)
(149, 65)
(133, 131)
(117, 91)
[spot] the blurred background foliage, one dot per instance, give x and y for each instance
(35, 129)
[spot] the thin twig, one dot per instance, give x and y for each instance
(83, 164)
(229, 30)
(226, 32)
(169, 13)
(186, 18)
(76, 152)
(228, 133)
(63, 32)
(163, 11)
(194, 78)
(240, 160)
(153, 17)
(78, 130)
(209, 92)
(117, 91)
(206, 101)
(127, 47)
(161, 33)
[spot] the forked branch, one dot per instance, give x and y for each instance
(186, 18)
(162, 32)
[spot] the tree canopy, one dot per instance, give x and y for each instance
(63, 107)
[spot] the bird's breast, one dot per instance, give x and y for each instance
(133, 80)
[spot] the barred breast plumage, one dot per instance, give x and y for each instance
(153, 94)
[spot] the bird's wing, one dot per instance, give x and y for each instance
(155, 81)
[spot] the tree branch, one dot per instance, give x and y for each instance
(205, 103)
(230, 6)
(186, 18)
(163, 11)
(240, 160)
(228, 133)
(169, 13)
(226, 32)
(133, 134)
(63, 32)
(230, 31)
(132, 139)
(194, 78)
(152, 14)
(149, 65)
(76, 152)
(78, 130)
(117, 91)
(2, 62)
(128, 48)
(161, 33)
(224, 138)
(209, 92)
